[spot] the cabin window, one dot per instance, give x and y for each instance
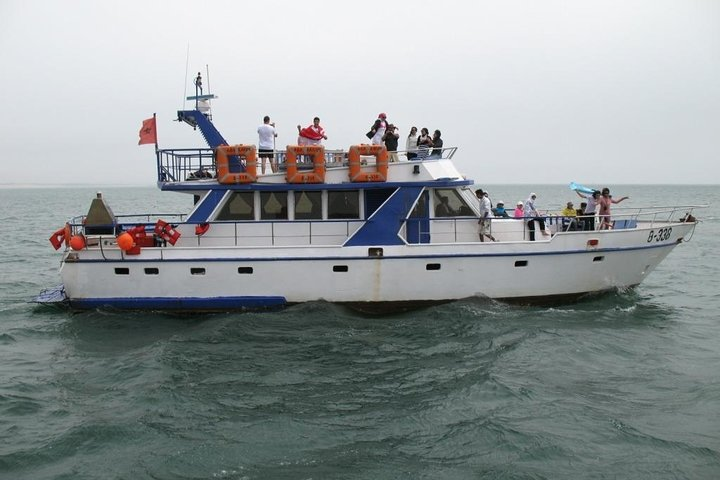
(273, 206)
(308, 205)
(122, 271)
(152, 271)
(345, 204)
(374, 198)
(449, 203)
(239, 206)
(420, 210)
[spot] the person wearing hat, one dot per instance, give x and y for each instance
(499, 210)
(378, 130)
(569, 221)
(531, 214)
(519, 210)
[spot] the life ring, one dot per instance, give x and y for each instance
(381, 163)
(62, 235)
(166, 231)
(222, 164)
(317, 152)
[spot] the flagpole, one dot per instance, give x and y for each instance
(156, 136)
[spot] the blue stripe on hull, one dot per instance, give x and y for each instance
(187, 303)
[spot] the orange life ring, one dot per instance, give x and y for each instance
(166, 231)
(317, 152)
(222, 163)
(381, 163)
(61, 236)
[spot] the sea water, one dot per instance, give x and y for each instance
(623, 386)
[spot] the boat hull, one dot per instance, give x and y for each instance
(564, 268)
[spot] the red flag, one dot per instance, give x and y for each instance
(148, 134)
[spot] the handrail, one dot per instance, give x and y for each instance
(192, 164)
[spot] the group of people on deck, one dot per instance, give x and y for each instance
(598, 202)
(417, 146)
(382, 132)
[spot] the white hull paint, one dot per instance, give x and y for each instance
(563, 265)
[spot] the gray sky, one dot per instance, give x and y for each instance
(598, 92)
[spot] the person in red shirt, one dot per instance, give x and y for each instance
(311, 135)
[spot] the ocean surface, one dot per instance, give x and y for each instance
(623, 386)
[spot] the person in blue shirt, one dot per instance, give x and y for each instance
(499, 210)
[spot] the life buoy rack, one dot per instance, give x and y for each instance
(222, 164)
(355, 166)
(317, 175)
(61, 236)
(166, 231)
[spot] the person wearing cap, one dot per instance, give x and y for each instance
(569, 221)
(531, 213)
(569, 210)
(518, 213)
(499, 210)
(485, 215)
(378, 129)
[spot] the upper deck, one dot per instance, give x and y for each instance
(196, 169)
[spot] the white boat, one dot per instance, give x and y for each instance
(347, 227)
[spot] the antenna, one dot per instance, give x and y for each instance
(187, 66)
(207, 75)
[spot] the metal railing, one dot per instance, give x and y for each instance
(192, 164)
(253, 233)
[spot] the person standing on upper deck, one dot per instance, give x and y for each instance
(424, 142)
(411, 144)
(391, 142)
(311, 135)
(266, 144)
(378, 129)
(437, 144)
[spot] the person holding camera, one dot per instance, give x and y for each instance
(266, 144)
(391, 142)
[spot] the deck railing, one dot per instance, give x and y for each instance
(191, 164)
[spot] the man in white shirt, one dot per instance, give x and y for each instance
(485, 215)
(532, 214)
(266, 144)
